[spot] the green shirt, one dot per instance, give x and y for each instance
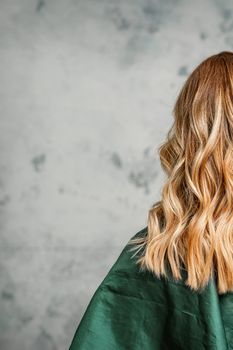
(134, 310)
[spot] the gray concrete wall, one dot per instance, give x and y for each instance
(86, 93)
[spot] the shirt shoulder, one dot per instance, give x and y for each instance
(125, 264)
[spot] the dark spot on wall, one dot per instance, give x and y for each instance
(144, 172)
(61, 189)
(139, 180)
(202, 35)
(116, 16)
(183, 70)
(153, 16)
(40, 5)
(25, 319)
(226, 24)
(146, 151)
(4, 200)
(52, 312)
(149, 10)
(116, 160)
(7, 295)
(123, 24)
(38, 162)
(226, 13)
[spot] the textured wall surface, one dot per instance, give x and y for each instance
(86, 94)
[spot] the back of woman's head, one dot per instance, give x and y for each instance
(192, 224)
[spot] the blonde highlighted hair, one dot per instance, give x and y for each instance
(192, 224)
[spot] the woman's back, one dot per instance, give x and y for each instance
(132, 309)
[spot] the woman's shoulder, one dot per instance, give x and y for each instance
(125, 264)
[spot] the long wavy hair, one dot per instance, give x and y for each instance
(192, 224)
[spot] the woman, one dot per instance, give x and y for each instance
(175, 290)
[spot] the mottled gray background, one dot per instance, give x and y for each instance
(86, 93)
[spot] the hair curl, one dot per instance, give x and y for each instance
(192, 225)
